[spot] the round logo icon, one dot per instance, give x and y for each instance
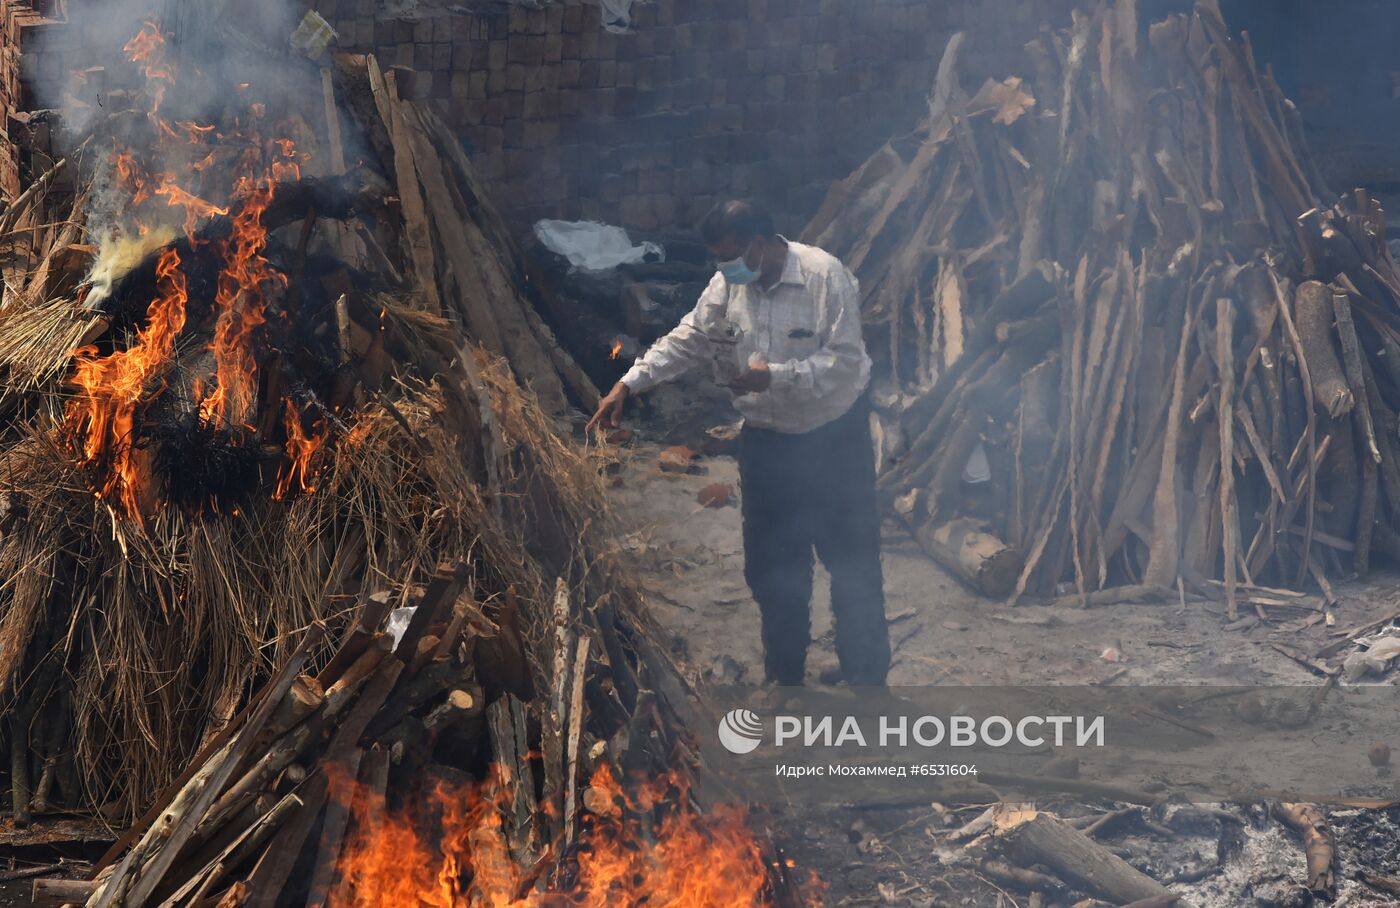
(740, 731)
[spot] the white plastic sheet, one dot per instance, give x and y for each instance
(398, 622)
(617, 15)
(978, 468)
(591, 246)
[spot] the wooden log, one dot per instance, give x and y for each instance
(1286, 180)
(459, 705)
(482, 297)
(1308, 429)
(1016, 302)
(1075, 857)
(1164, 557)
(976, 397)
(342, 773)
(1387, 884)
(339, 693)
(463, 611)
(514, 776)
(358, 717)
(1355, 371)
(26, 873)
(944, 489)
(572, 740)
(1339, 480)
(1313, 317)
(405, 743)
(1035, 437)
(423, 655)
(554, 715)
(1310, 822)
(1020, 877)
(428, 683)
(304, 698)
(21, 204)
(367, 811)
(977, 558)
(20, 791)
(1229, 506)
(1365, 431)
(411, 739)
(62, 892)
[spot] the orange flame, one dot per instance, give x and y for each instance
(133, 177)
(616, 349)
(147, 50)
(196, 208)
(103, 416)
(300, 473)
(690, 862)
(111, 387)
(242, 293)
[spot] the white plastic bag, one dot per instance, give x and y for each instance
(591, 246)
(398, 622)
(617, 15)
(977, 469)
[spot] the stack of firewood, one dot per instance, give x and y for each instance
(1123, 342)
(396, 347)
(287, 805)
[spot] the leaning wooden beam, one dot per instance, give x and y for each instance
(343, 770)
(420, 242)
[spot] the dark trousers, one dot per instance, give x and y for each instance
(805, 491)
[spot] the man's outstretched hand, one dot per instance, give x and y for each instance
(756, 379)
(609, 415)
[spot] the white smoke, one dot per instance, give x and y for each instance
(224, 53)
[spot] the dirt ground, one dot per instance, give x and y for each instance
(690, 561)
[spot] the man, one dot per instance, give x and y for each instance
(780, 323)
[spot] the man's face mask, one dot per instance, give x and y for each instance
(737, 271)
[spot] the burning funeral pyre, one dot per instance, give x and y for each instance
(298, 577)
(1115, 287)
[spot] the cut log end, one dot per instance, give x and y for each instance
(977, 558)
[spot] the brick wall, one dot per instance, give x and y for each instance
(701, 99)
(15, 17)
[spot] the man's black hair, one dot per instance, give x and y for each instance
(739, 219)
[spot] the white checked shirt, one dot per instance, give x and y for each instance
(807, 328)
